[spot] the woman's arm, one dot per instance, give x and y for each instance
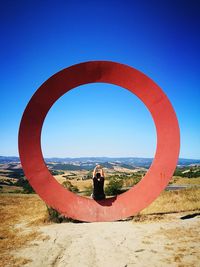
(94, 172)
(102, 173)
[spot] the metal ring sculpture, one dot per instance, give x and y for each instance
(139, 196)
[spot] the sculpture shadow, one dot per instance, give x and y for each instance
(107, 201)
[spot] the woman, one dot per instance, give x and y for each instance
(98, 183)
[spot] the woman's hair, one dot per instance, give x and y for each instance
(98, 174)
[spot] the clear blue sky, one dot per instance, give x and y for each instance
(159, 38)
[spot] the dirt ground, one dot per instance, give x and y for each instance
(167, 240)
(166, 233)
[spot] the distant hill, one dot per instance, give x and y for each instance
(8, 159)
(90, 162)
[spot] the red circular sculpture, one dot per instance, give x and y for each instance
(139, 196)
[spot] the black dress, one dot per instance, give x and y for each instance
(98, 188)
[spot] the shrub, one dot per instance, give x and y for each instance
(136, 180)
(114, 186)
(193, 172)
(27, 188)
(55, 172)
(131, 181)
(56, 217)
(90, 174)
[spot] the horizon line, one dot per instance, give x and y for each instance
(49, 157)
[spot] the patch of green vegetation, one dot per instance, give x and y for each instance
(69, 167)
(90, 174)
(136, 180)
(56, 217)
(18, 173)
(120, 183)
(114, 186)
(127, 166)
(107, 165)
(56, 172)
(27, 188)
(188, 172)
(7, 182)
(16, 192)
(70, 176)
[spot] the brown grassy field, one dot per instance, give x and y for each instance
(177, 180)
(175, 201)
(17, 212)
(21, 214)
(83, 184)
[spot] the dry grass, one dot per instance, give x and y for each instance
(175, 201)
(177, 180)
(83, 184)
(20, 214)
(11, 189)
(17, 212)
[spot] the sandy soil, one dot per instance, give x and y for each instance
(169, 241)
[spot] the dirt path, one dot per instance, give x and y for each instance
(172, 242)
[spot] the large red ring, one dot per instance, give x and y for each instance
(139, 196)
